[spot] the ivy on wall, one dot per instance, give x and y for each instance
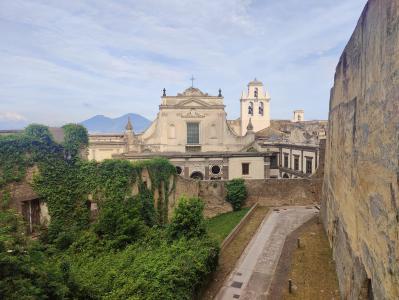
(129, 251)
(67, 184)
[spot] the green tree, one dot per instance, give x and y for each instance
(188, 219)
(40, 132)
(76, 139)
(236, 193)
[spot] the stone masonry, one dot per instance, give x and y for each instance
(360, 206)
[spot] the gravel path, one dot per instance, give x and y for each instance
(253, 274)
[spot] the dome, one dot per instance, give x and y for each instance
(192, 91)
(255, 82)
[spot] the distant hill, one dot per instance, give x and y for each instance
(103, 124)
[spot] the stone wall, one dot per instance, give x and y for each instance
(280, 192)
(268, 192)
(360, 206)
(21, 191)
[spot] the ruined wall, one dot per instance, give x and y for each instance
(21, 191)
(268, 192)
(360, 206)
(280, 192)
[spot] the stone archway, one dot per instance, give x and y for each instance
(197, 175)
(286, 175)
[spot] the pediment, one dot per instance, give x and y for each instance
(193, 103)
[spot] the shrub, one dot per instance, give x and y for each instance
(75, 139)
(236, 193)
(120, 222)
(39, 132)
(188, 219)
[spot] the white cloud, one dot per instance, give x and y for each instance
(11, 116)
(67, 60)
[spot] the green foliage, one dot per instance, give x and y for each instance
(25, 271)
(127, 252)
(120, 222)
(236, 193)
(188, 219)
(151, 269)
(39, 132)
(75, 139)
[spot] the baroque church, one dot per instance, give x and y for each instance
(192, 130)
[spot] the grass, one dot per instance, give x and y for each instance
(232, 252)
(220, 226)
(312, 268)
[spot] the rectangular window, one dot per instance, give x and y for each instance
(273, 162)
(285, 160)
(245, 168)
(308, 166)
(296, 162)
(192, 133)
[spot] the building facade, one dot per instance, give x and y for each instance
(192, 130)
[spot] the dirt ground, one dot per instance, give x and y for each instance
(232, 253)
(310, 267)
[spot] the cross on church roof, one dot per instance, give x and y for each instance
(192, 80)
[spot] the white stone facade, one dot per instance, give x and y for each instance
(191, 130)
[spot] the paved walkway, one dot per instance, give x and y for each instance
(254, 271)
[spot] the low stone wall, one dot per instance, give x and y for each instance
(267, 192)
(280, 192)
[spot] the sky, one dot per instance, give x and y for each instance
(65, 61)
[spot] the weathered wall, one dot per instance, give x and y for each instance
(360, 207)
(268, 192)
(279, 192)
(21, 191)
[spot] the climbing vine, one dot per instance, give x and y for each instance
(68, 184)
(121, 253)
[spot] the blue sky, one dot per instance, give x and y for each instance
(65, 61)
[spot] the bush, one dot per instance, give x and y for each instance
(75, 139)
(39, 132)
(120, 222)
(236, 193)
(188, 219)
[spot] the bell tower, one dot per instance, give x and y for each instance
(255, 107)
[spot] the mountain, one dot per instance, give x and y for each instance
(103, 124)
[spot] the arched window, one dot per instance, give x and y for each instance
(197, 176)
(251, 109)
(172, 131)
(261, 108)
(256, 93)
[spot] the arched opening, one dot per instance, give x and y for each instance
(256, 92)
(286, 175)
(179, 170)
(261, 108)
(251, 108)
(197, 176)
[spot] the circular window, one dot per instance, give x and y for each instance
(215, 170)
(179, 170)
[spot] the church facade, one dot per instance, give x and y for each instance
(192, 130)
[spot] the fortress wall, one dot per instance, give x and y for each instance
(360, 204)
